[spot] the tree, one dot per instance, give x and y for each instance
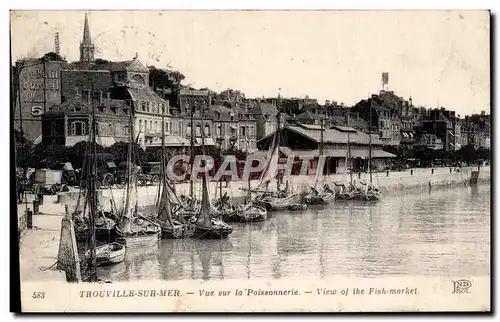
(24, 150)
(48, 156)
(119, 150)
(52, 57)
(165, 78)
(100, 61)
(78, 152)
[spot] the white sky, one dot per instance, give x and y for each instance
(431, 55)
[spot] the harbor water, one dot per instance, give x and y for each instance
(440, 232)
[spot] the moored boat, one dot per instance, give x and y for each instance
(109, 254)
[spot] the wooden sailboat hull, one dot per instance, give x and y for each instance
(113, 253)
(203, 232)
(109, 254)
(281, 203)
(139, 240)
(248, 213)
(314, 200)
(177, 232)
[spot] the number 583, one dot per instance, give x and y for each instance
(38, 295)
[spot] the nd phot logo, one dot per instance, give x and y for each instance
(461, 286)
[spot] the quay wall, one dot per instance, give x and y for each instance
(386, 181)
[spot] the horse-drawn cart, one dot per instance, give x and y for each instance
(46, 182)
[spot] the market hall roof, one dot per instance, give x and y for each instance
(335, 134)
(337, 153)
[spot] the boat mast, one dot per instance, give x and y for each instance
(162, 165)
(92, 194)
(128, 167)
(278, 134)
(191, 159)
(349, 155)
(318, 174)
(370, 141)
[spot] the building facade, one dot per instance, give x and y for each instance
(37, 88)
(69, 123)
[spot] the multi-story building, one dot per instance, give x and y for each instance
(445, 125)
(37, 87)
(247, 130)
(266, 117)
(381, 120)
(69, 123)
(225, 126)
(149, 109)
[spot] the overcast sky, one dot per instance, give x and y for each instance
(432, 56)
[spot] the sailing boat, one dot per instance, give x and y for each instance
(248, 211)
(348, 192)
(280, 199)
(91, 225)
(135, 230)
(170, 227)
(314, 197)
(205, 225)
(371, 192)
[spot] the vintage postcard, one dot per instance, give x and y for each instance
(252, 161)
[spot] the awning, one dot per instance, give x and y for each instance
(105, 141)
(208, 141)
(336, 153)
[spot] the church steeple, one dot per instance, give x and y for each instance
(86, 46)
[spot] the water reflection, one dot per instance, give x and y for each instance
(446, 232)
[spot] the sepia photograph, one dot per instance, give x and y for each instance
(251, 161)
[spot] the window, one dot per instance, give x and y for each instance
(242, 130)
(219, 130)
(156, 126)
(148, 106)
(78, 128)
(163, 108)
(198, 130)
(207, 129)
(150, 125)
(143, 106)
(188, 130)
(53, 129)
